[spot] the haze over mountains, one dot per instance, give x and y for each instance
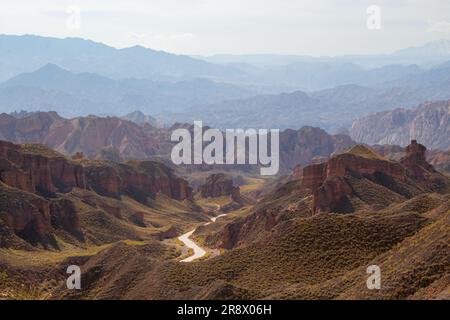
(427, 54)
(79, 77)
(75, 77)
(52, 88)
(79, 55)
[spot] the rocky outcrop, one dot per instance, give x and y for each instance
(333, 183)
(66, 174)
(428, 124)
(359, 160)
(415, 161)
(333, 196)
(36, 201)
(64, 217)
(27, 215)
(314, 175)
(103, 179)
(35, 168)
(218, 185)
(244, 230)
(138, 179)
(25, 169)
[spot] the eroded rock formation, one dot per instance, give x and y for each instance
(37, 183)
(362, 175)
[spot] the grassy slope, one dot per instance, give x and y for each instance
(305, 251)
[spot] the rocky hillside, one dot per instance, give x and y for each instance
(45, 196)
(116, 139)
(282, 253)
(91, 135)
(429, 123)
(295, 243)
(358, 180)
(361, 179)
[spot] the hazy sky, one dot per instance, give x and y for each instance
(317, 27)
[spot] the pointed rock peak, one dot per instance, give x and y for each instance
(415, 159)
(416, 149)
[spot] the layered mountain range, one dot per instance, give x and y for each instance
(328, 92)
(51, 88)
(54, 89)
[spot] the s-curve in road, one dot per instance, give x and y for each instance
(198, 251)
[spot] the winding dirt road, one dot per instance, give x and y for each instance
(198, 251)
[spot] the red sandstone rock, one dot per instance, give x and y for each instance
(332, 192)
(35, 172)
(415, 161)
(138, 179)
(34, 215)
(29, 216)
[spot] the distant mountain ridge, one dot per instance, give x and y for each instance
(429, 123)
(267, 73)
(329, 109)
(75, 78)
(80, 55)
(432, 52)
(52, 88)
